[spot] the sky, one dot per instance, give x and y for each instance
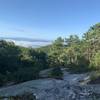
(47, 19)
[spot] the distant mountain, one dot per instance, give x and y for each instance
(27, 42)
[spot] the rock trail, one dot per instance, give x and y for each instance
(70, 88)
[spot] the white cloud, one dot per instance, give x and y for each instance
(29, 44)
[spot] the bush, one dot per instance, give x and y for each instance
(95, 62)
(57, 73)
(81, 66)
(95, 78)
(3, 79)
(25, 74)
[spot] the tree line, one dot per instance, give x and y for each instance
(18, 64)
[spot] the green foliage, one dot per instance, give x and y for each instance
(26, 74)
(20, 64)
(2, 79)
(9, 57)
(95, 62)
(57, 73)
(58, 42)
(76, 54)
(81, 66)
(95, 77)
(73, 39)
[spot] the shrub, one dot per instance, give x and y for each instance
(95, 78)
(2, 79)
(95, 62)
(25, 74)
(81, 66)
(57, 73)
